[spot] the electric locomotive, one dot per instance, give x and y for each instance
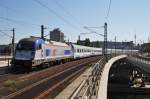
(35, 51)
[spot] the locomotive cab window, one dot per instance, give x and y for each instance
(25, 45)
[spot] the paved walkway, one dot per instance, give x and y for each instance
(65, 94)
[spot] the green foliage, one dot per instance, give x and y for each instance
(1, 97)
(78, 42)
(87, 42)
(11, 84)
(146, 49)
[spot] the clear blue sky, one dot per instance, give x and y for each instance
(126, 18)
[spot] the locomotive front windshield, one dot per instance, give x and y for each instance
(25, 45)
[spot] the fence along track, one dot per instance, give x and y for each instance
(89, 88)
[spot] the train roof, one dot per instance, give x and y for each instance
(29, 39)
(58, 43)
(86, 47)
(32, 39)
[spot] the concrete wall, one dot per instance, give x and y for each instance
(102, 94)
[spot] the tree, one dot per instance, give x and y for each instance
(87, 42)
(97, 44)
(78, 42)
(146, 49)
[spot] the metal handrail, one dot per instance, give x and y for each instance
(91, 81)
(79, 89)
(142, 59)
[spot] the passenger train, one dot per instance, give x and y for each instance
(34, 51)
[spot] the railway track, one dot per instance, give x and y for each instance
(34, 84)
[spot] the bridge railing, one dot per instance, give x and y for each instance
(142, 59)
(88, 88)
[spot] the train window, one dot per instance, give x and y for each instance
(78, 50)
(25, 45)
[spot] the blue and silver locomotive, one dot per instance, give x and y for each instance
(35, 51)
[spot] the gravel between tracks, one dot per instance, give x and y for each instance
(23, 80)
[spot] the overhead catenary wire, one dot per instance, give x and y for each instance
(17, 21)
(66, 11)
(108, 10)
(5, 34)
(14, 20)
(8, 8)
(56, 14)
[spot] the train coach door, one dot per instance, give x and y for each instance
(43, 51)
(73, 50)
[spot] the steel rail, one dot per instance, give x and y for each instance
(32, 89)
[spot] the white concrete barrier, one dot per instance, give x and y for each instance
(102, 93)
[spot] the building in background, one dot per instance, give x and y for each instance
(57, 35)
(110, 44)
(5, 49)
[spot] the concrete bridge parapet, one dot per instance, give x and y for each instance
(102, 93)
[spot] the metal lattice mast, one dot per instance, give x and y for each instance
(105, 42)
